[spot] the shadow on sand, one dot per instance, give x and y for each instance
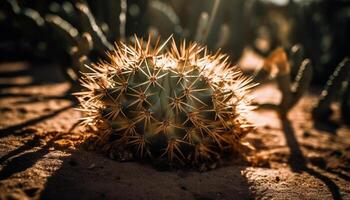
(298, 162)
(86, 175)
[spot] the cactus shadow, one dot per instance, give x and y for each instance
(34, 98)
(87, 175)
(326, 125)
(17, 129)
(25, 156)
(20, 163)
(40, 74)
(25, 147)
(298, 163)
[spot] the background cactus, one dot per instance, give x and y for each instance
(284, 69)
(321, 27)
(69, 32)
(185, 106)
(336, 86)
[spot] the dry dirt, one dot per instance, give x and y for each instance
(39, 158)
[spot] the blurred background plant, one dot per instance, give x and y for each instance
(73, 33)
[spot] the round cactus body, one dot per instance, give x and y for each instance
(181, 105)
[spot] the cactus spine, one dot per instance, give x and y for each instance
(185, 106)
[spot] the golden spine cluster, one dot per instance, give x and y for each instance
(180, 104)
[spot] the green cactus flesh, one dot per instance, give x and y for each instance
(183, 105)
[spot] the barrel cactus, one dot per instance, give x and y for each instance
(180, 105)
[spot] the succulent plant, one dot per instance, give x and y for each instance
(282, 67)
(184, 106)
(217, 24)
(69, 32)
(322, 27)
(336, 86)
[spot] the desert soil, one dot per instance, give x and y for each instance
(41, 156)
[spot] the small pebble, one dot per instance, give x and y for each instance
(277, 178)
(306, 134)
(183, 187)
(93, 165)
(22, 110)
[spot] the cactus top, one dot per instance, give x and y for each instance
(174, 103)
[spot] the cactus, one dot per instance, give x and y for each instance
(184, 106)
(292, 94)
(165, 20)
(89, 25)
(320, 26)
(337, 84)
(278, 66)
(65, 23)
(217, 24)
(67, 34)
(220, 26)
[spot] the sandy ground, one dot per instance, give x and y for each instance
(40, 158)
